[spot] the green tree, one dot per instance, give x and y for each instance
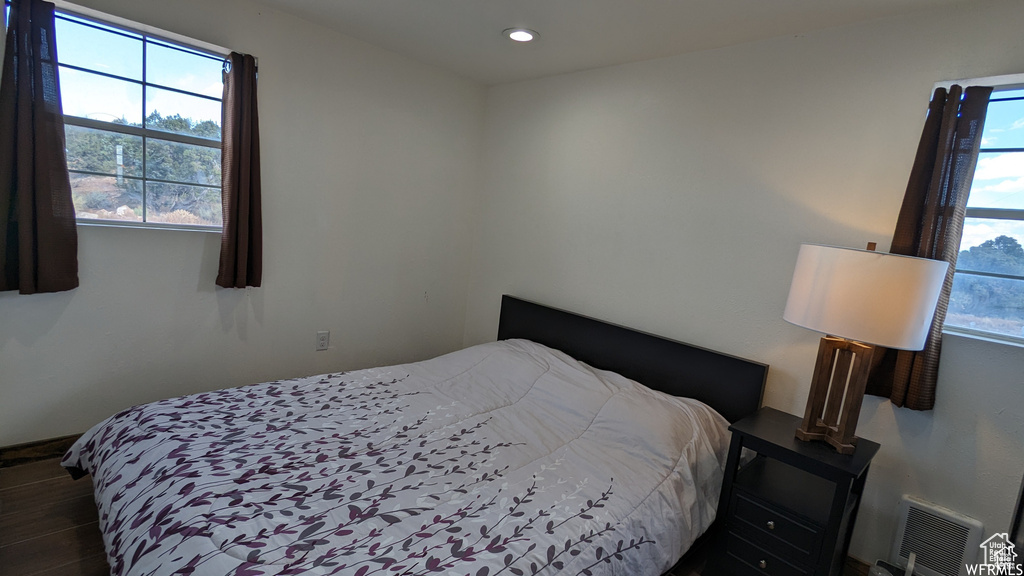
(987, 297)
(95, 151)
(1001, 255)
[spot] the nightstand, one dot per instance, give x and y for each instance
(790, 510)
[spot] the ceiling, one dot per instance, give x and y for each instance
(464, 36)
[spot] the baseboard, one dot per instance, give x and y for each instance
(35, 451)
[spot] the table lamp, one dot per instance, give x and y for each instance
(857, 298)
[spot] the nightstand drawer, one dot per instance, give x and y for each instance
(744, 558)
(775, 526)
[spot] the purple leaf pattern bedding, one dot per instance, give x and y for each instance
(506, 458)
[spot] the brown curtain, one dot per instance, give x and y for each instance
(929, 226)
(38, 238)
(241, 248)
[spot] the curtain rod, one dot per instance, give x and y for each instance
(1004, 81)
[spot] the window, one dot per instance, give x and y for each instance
(988, 286)
(142, 120)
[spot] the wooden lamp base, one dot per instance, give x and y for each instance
(837, 391)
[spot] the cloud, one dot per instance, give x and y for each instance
(200, 84)
(215, 90)
(978, 231)
(1006, 186)
(99, 98)
(1006, 194)
(1001, 166)
(169, 103)
(90, 96)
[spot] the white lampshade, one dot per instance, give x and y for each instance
(871, 297)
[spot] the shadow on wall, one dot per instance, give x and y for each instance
(28, 318)
(235, 305)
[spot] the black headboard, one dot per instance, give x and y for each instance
(732, 386)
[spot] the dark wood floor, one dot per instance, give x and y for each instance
(48, 523)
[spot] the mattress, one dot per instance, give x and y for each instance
(503, 458)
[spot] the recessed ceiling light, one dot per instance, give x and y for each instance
(520, 34)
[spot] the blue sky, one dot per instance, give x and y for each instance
(101, 98)
(999, 178)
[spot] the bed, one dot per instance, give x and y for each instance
(536, 454)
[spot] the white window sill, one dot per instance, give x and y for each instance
(1017, 342)
(88, 223)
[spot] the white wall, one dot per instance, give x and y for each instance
(369, 168)
(672, 195)
(669, 195)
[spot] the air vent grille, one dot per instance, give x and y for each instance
(943, 540)
(938, 543)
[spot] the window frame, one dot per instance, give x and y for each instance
(146, 35)
(1000, 84)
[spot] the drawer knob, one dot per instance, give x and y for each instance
(762, 564)
(771, 525)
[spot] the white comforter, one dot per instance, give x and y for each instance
(504, 458)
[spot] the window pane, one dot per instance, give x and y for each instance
(173, 112)
(181, 204)
(1004, 125)
(106, 197)
(183, 70)
(990, 245)
(998, 181)
(101, 151)
(182, 162)
(999, 94)
(99, 50)
(101, 25)
(100, 98)
(989, 304)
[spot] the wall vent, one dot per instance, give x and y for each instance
(944, 541)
